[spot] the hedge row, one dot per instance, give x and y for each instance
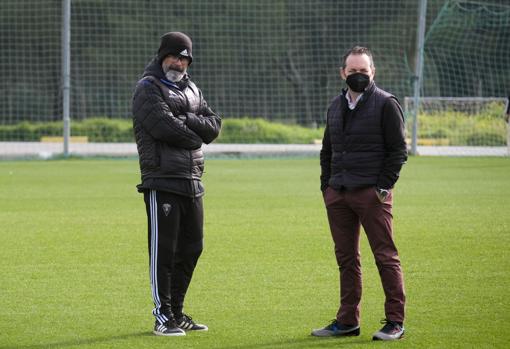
(242, 130)
(449, 128)
(247, 130)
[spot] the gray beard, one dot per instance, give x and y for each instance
(174, 75)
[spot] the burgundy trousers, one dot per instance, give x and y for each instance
(347, 212)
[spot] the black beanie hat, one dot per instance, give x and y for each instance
(175, 43)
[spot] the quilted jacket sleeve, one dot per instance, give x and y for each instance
(394, 142)
(325, 159)
(207, 124)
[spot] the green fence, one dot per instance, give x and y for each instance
(276, 60)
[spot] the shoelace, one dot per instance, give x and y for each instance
(389, 325)
(332, 325)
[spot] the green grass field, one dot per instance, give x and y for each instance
(74, 265)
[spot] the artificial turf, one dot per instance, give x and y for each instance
(74, 265)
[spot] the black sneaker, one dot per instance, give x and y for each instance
(186, 323)
(169, 328)
(391, 331)
(337, 329)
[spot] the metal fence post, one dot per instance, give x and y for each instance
(507, 116)
(420, 41)
(66, 72)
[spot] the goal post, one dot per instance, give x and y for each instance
(507, 118)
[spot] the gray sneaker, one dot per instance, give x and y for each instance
(337, 329)
(390, 331)
(169, 328)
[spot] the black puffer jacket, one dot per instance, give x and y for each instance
(171, 121)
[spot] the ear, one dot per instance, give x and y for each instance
(373, 73)
(342, 74)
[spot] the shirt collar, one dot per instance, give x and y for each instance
(352, 104)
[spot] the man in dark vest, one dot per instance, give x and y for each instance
(171, 120)
(363, 151)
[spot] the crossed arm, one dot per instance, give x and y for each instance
(185, 131)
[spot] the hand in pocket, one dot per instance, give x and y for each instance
(382, 194)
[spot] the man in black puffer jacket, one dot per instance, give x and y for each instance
(171, 120)
(362, 153)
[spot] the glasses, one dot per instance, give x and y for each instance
(179, 58)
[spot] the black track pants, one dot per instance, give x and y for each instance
(175, 244)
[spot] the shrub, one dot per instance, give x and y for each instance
(486, 139)
(104, 130)
(456, 128)
(245, 130)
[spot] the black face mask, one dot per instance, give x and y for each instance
(358, 82)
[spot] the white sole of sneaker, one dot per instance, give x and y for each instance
(325, 333)
(176, 334)
(385, 337)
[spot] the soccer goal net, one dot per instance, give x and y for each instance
(460, 123)
(466, 55)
